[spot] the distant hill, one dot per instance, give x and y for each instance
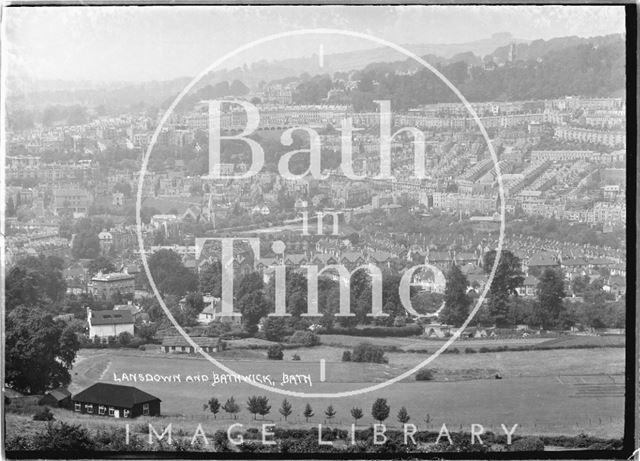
(496, 48)
(156, 92)
(538, 48)
(583, 67)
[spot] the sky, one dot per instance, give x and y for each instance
(160, 43)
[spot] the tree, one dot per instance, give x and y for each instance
(39, 352)
(100, 264)
(10, 207)
(285, 409)
(380, 410)
(275, 352)
(308, 412)
(214, 406)
(34, 281)
(123, 187)
(550, 308)
(22, 288)
(253, 405)
(356, 414)
(194, 304)
(210, 279)
(263, 406)
(456, 301)
(274, 328)
(258, 405)
(86, 245)
(253, 307)
(508, 277)
(146, 331)
(231, 407)
(249, 283)
(330, 412)
(170, 274)
(403, 416)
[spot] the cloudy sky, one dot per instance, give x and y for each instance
(160, 43)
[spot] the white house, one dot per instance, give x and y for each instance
(109, 323)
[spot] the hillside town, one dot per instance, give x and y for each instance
(572, 181)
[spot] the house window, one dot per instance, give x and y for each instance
(78, 407)
(102, 409)
(89, 408)
(111, 411)
(145, 409)
(125, 413)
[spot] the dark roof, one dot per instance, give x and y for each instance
(111, 317)
(352, 256)
(323, 258)
(296, 258)
(114, 395)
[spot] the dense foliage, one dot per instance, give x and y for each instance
(584, 69)
(39, 352)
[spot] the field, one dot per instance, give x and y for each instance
(419, 344)
(568, 391)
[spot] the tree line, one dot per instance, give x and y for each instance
(259, 405)
(549, 310)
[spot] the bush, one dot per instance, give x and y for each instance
(43, 415)
(304, 338)
(528, 444)
(424, 375)
(236, 334)
(346, 356)
(295, 357)
(274, 328)
(217, 328)
(399, 322)
(275, 352)
(125, 338)
(392, 348)
(367, 352)
(470, 350)
(64, 437)
(485, 349)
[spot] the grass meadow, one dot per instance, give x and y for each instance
(554, 391)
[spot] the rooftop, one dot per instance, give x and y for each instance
(113, 276)
(114, 395)
(115, 317)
